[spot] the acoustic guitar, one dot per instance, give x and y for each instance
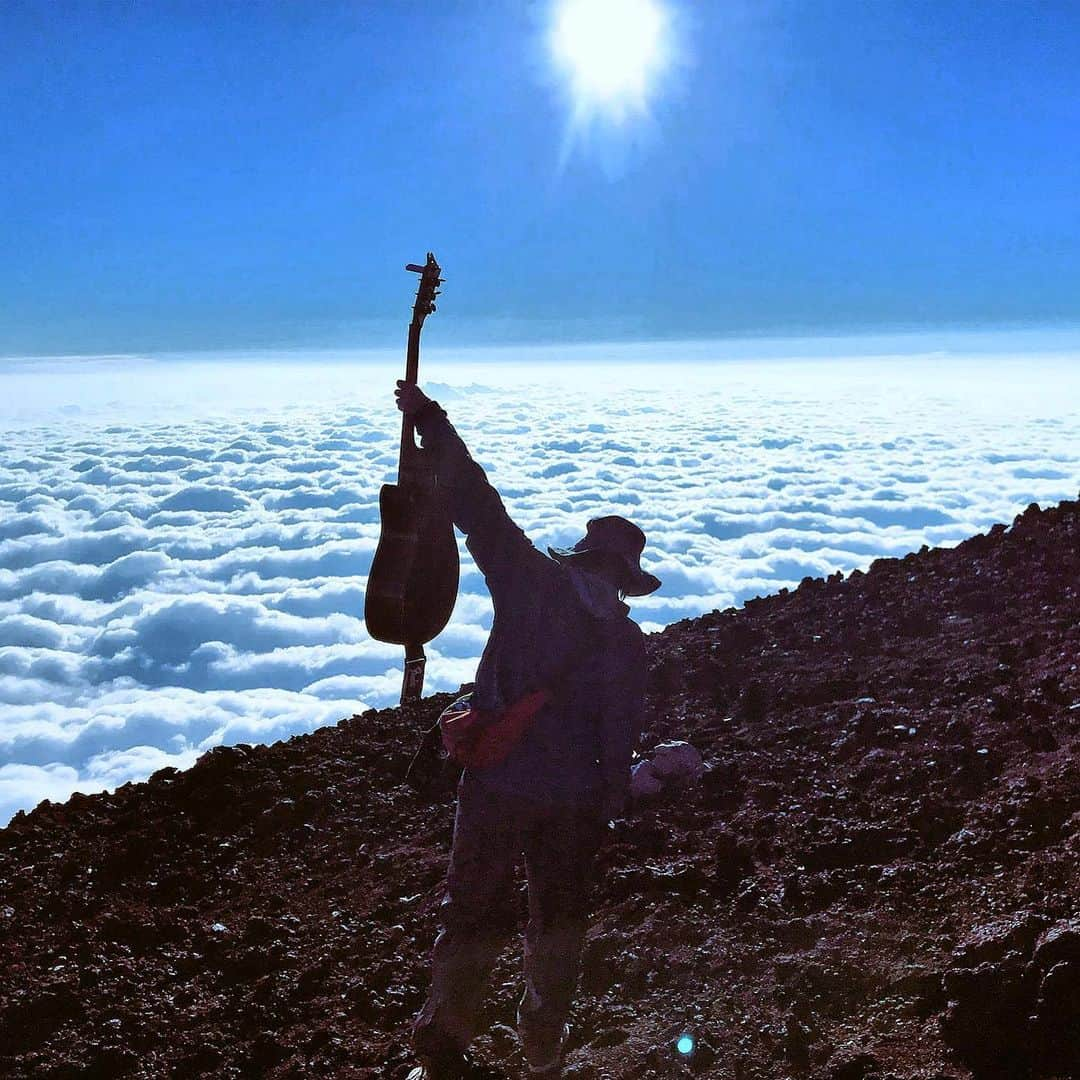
(413, 583)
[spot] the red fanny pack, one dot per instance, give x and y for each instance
(477, 738)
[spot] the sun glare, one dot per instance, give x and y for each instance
(611, 49)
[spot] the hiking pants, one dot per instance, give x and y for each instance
(479, 914)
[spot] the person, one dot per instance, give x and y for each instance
(562, 620)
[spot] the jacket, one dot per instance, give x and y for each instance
(581, 742)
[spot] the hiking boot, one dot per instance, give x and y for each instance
(547, 1072)
(449, 1067)
(552, 1069)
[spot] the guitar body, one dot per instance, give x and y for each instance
(413, 583)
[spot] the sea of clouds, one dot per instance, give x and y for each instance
(184, 542)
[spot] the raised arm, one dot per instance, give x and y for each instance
(499, 547)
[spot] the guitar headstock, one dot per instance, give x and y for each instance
(429, 288)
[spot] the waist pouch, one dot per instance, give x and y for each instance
(479, 738)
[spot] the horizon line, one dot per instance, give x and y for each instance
(876, 342)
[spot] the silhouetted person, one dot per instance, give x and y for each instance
(552, 796)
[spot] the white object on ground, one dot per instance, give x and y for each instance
(677, 762)
(644, 781)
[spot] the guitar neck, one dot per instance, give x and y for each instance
(409, 463)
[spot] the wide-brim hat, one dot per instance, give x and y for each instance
(616, 543)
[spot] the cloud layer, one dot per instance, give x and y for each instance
(184, 546)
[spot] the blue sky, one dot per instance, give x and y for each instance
(204, 176)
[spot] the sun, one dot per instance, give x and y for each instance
(612, 50)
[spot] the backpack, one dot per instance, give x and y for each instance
(478, 739)
(467, 737)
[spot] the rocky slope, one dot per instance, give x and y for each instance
(877, 876)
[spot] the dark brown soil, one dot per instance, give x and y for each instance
(876, 878)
